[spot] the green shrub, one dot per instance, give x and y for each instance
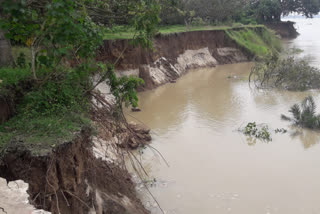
(288, 73)
(62, 92)
(258, 131)
(198, 21)
(305, 114)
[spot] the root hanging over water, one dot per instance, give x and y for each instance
(130, 136)
(106, 116)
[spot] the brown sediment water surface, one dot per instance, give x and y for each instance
(213, 167)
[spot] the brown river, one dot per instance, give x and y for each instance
(214, 169)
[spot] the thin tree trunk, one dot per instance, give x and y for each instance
(33, 62)
(6, 58)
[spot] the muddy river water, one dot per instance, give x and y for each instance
(213, 167)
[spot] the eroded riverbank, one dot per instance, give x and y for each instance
(175, 54)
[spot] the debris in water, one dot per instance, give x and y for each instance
(135, 109)
(282, 130)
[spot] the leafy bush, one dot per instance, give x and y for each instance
(260, 132)
(52, 33)
(198, 21)
(63, 92)
(289, 73)
(305, 114)
(123, 89)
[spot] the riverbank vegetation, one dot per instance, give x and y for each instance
(50, 92)
(304, 115)
(245, 12)
(289, 73)
(259, 42)
(194, 15)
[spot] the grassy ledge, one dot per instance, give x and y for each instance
(128, 33)
(46, 113)
(259, 42)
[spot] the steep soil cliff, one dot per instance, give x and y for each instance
(85, 175)
(172, 55)
(284, 29)
(76, 177)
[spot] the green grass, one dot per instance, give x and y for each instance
(257, 41)
(12, 76)
(128, 33)
(49, 113)
(39, 134)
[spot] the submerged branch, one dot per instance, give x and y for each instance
(3, 210)
(290, 74)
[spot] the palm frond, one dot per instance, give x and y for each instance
(296, 112)
(305, 114)
(308, 106)
(284, 117)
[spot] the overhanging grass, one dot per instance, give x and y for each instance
(48, 113)
(41, 133)
(257, 41)
(128, 33)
